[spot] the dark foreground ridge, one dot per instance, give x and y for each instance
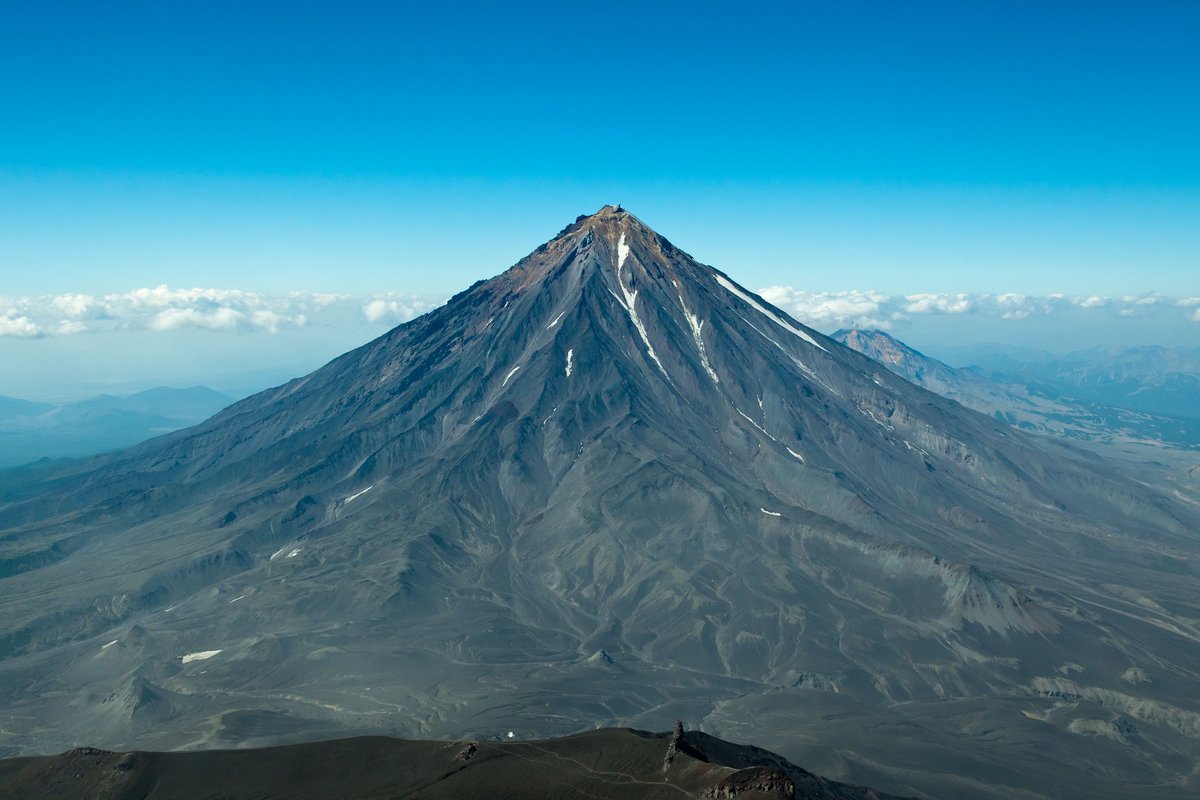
(611, 763)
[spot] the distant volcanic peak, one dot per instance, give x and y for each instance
(875, 343)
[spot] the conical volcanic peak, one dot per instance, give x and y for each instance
(610, 447)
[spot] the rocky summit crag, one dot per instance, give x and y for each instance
(610, 486)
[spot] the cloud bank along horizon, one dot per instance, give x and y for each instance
(162, 308)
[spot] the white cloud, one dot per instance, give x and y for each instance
(223, 318)
(1195, 315)
(19, 326)
(395, 308)
(937, 304)
(70, 326)
(831, 309)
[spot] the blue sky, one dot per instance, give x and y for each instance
(372, 148)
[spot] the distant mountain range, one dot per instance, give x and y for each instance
(1154, 380)
(1068, 396)
(31, 431)
(612, 487)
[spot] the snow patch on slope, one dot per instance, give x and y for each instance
(202, 655)
(570, 362)
(629, 303)
(511, 372)
(555, 320)
(697, 325)
(770, 513)
(750, 301)
(755, 424)
(358, 494)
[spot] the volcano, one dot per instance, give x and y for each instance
(613, 487)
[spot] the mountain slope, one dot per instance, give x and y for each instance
(610, 486)
(1026, 407)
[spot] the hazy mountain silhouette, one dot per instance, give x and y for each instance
(30, 431)
(1035, 406)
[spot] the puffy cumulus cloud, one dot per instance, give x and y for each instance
(829, 310)
(19, 326)
(937, 304)
(223, 318)
(161, 308)
(1195, 316)
(395, 308)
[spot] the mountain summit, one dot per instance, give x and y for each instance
(610, 486)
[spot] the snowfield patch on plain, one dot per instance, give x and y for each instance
(202, 655)
(359, 494)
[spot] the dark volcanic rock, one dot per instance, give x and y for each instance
(614, 764)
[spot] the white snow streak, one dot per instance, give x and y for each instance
(800, 365)
(869, 414)
(697, 325)
(110, 644)
(570, 359)
(721, 279)
(755, 424)
(770, 513)
(239, 597)
(279, 552)
(358, 494)
(556, 319)
(294, 553)
(796, 455)
(511, 372)
(203, 655)
(630, 305)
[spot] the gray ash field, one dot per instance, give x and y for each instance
(610, 487)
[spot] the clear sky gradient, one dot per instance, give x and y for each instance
(366, 147)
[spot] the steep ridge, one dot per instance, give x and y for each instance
(608, 450)
(612, 764)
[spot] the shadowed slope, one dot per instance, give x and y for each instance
(611, 764)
